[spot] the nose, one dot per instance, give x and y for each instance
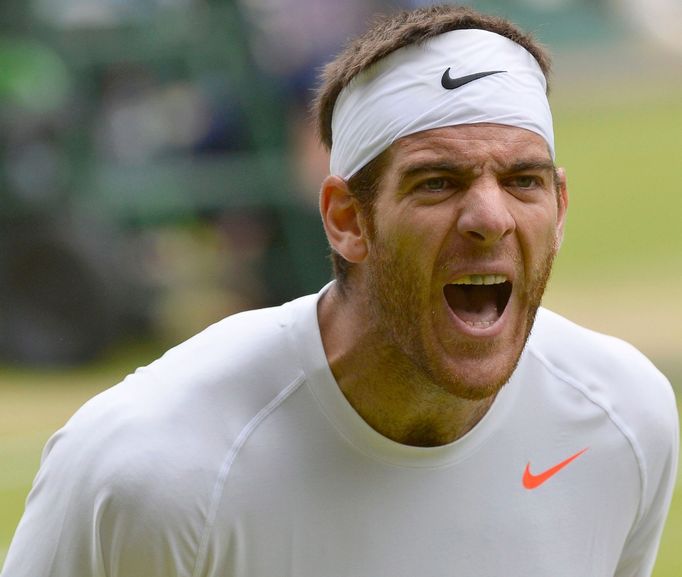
(484, 217)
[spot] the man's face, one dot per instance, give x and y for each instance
(465, 228)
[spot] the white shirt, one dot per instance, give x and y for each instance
(236, 455)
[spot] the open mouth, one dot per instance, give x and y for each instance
(478, 300)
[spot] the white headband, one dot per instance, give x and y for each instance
(430, 85)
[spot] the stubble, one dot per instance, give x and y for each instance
(396, 312)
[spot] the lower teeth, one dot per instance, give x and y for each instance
(480, 324)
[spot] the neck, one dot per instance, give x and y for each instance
(387, 390)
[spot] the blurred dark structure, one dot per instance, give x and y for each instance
(117, 118)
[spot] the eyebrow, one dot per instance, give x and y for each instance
(524, 165)
(415, 170)
(467, 170)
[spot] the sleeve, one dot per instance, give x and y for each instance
(111, 499)
(658, 453)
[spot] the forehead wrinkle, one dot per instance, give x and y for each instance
(468, 151)
(435, 152)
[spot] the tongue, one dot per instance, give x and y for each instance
(474, 304)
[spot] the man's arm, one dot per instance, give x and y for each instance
(111, 499)
(659, 456)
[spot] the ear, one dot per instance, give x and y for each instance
(562, 203)
(342, 220)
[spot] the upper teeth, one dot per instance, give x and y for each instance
(481, 279)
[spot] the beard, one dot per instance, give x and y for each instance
(401, 312)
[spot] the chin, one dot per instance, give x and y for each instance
(478, 383)
(481, 370)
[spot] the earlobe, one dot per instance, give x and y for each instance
(342, 220)
(562, 208)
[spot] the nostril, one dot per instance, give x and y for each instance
(476, 235)
(486, 233)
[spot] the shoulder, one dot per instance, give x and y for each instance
(167, 428)
(595, 359)
(134, 473)
(612, 374)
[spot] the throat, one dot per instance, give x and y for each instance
(442, 427)
(406, 408)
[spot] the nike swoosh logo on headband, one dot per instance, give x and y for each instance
(452, 83)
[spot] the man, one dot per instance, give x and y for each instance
(404, 421)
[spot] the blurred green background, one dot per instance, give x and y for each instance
(158, 171)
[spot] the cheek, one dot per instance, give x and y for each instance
(404, 237)
(539, 235)
(540, 220)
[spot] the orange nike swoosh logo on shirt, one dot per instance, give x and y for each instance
(531, 481)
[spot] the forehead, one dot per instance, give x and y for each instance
(473, 144)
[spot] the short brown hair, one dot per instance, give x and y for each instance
(387, 35)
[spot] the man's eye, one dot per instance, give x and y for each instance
(526, 181)
(435, 184)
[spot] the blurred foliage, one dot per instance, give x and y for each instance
(120, 122)
(32, 76)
